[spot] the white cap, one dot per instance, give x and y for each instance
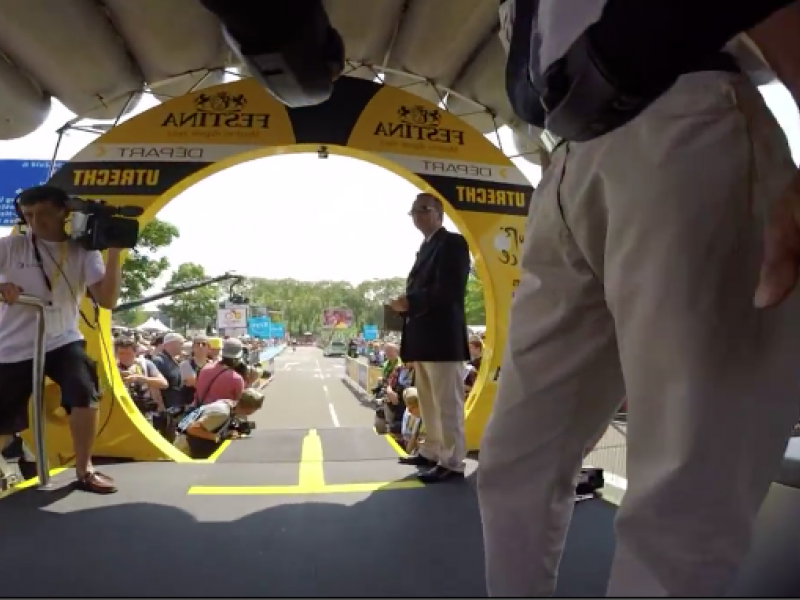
(173, 337)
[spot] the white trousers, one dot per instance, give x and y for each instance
(440, 387)
(640, 263)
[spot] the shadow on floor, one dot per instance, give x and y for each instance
(411, 543)
(364, 398)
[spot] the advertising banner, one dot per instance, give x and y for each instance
(370, 332)
(337, 318)
(259, 327)
(232, 317)
(277, 330)
(16, 176)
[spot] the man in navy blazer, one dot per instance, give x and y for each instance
(435, 340)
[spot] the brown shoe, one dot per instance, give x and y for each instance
(97, 483)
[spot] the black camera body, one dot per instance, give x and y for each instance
(242, 426)
(96, 225)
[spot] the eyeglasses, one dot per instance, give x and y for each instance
(419, 209)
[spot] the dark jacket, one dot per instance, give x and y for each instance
(435, 329)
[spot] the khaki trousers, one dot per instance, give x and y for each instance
(640, 263)
(440, 386)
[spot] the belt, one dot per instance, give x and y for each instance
(719, 61)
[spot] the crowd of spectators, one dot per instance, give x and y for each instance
(196, 393)
(396, 398)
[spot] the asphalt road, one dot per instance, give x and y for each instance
(308, 392)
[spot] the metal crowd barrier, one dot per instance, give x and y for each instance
(39, 306)
(362, 375)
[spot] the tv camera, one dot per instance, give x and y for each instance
(96, 225)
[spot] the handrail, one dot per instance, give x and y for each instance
(38, 387)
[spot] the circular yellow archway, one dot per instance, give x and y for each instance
(151, 158)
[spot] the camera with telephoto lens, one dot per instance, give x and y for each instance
(96, 225)
(242, 426)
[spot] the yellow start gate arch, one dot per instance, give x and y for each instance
(152, 157)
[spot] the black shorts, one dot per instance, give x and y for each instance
(68, 366)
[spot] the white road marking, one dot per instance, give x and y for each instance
(331, 409)
(334, 418)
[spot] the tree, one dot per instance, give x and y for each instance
(131, 318)
(190, 309)
(299, 304)
(474, 306)
(142, 267)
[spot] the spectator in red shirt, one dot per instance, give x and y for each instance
(220, 381)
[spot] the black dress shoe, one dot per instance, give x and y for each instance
(438, 474)
(417, 461)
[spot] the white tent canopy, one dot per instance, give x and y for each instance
(152, 324)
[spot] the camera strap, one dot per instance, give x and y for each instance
(50, 285)
(200, 398)
(59, 264)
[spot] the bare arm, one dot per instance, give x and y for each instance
(106, 291)
(778, 39)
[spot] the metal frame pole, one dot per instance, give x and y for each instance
(40, 442)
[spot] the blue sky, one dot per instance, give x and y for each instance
(344, 219)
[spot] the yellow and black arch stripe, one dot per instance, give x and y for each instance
(361, 114)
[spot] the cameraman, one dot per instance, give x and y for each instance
(215, 423)
(45, 263)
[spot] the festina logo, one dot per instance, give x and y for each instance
(421, 124)
(217, 120)
(220, 110)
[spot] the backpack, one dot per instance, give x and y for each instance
(620, 63)
(193, 416)
(188, 419)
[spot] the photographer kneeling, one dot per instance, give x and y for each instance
(202, 432)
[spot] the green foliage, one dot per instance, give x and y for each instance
(143, 266)
(474, 306)
(300, 303)
(193, 309)
(131, 318)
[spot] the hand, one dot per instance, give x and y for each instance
(234, 435)
(779, 269)
(399, 305)
(10, 292)
(132, 378)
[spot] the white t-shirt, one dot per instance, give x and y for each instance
(187, 370)
(18, 265)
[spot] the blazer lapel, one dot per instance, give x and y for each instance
(426, 251)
